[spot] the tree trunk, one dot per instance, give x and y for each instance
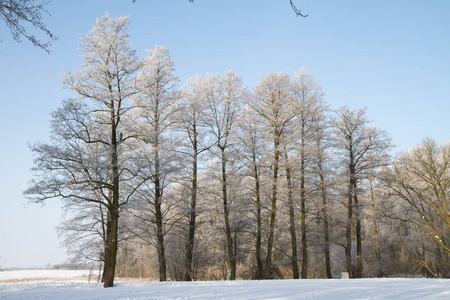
(158, 194)
(295, 271)
(358, 236)
(375, 227)
(303, 208)
(159, 219)
(226, 213)
(325, 220)
(375, 231)
(106, 234)
(160, 235)
(348, 232)
(110, 273)
(192, 215)
(113, 208)
(276, 158)
(107, 252)
(259, 264)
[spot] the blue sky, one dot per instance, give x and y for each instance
(392, 57)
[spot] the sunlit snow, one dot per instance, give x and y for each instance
(268, 289)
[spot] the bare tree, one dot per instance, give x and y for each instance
(251, 148)
(321, 159)
(273, 103)
(308, 94)
(223, 96)
(363, 149)
(192, 128)
(86, 156)
(421, 179)
(18, 14)
(156, 104)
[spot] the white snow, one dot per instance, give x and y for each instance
(268, 289)
(42, 274)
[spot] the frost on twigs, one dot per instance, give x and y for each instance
(20, 14)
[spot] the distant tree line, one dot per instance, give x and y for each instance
(211, 180)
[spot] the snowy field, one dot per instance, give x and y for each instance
(68, 285)
(44, 274)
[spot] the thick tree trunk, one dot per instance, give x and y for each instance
(226, 213)
(303, 208)
(348, 232)
(375, 227)
(259, 264)
(348, 235)
(113, 208)
(276, 158)
(110, 273)
(295, 271)
(325, 221)
(159, 216)
(192, 215)
(158, 192)
(358, 236)
(106, 251)
(160, 237)
(378, 266)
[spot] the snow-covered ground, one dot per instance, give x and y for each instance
(44, 274)
(268, 289)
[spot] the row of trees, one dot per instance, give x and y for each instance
(213, 181)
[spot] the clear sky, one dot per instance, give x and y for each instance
(392, 57)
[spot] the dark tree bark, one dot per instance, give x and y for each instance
(358, 236)
(159, 221)
(375, 226)
(303, 207)
(294, 256)
(113, 207)
(259, 263)
(276, 159)
(158, 193)
(325, 218)
(226, 211)
(192, 214)
(107, 238)
(348, 230)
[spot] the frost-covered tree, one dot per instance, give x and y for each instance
(91, 152)
(309, 112)
(195, 142)
(155, 107)
(322, 174)
(273, 102)
(85, 233)
(251, 148)
(420, 179)
(363, 149)
(223, 95)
